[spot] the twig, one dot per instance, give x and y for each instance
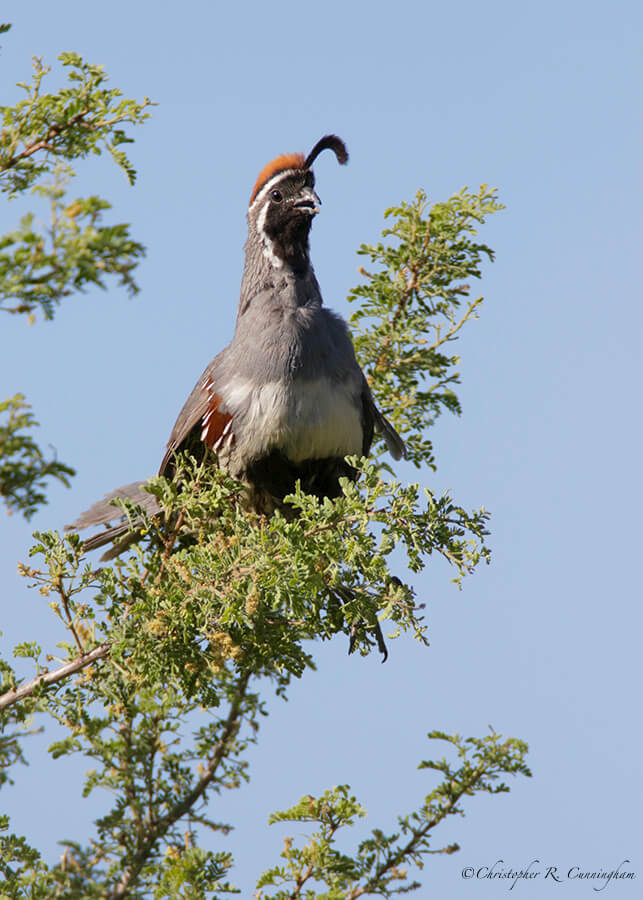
(43, 144)
(230, 729)
(394, 858)
(47, 678)
(70, 621)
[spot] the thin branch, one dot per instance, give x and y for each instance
(70, 621)
(302, 878)
(398, 856)
(47, 678)
(230, 730)
(43, 144)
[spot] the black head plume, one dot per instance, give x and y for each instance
(328, 142)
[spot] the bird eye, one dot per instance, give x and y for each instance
(276, 196)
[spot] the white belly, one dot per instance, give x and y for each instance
(306, 420)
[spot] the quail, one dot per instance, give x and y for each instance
(286, 400)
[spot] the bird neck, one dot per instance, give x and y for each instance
(265, 270)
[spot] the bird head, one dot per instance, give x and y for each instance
(284, 202)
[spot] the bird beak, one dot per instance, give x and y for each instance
(308, 202)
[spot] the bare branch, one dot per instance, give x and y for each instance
(47, 678)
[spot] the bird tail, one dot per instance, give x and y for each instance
(395, 444)
(103, 512)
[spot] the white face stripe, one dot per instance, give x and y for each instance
(267, 245)
(268, 248)
(271, 183)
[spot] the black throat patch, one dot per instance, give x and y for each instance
(290, 241)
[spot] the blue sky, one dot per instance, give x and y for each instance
(541, 100)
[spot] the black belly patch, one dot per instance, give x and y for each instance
(277, 475)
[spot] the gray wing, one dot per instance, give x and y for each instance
(103, 512)
(192, 413)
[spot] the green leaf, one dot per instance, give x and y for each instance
(24, 469)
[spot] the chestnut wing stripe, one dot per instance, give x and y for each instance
(216, 425)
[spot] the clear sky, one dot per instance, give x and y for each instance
(542, 100)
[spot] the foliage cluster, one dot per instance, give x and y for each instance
(157, 679)
(411, 308)
(24, 468)
(40, 136)
(42, 263)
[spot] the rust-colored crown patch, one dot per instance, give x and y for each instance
(280, 164)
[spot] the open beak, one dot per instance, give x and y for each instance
(308, 202)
